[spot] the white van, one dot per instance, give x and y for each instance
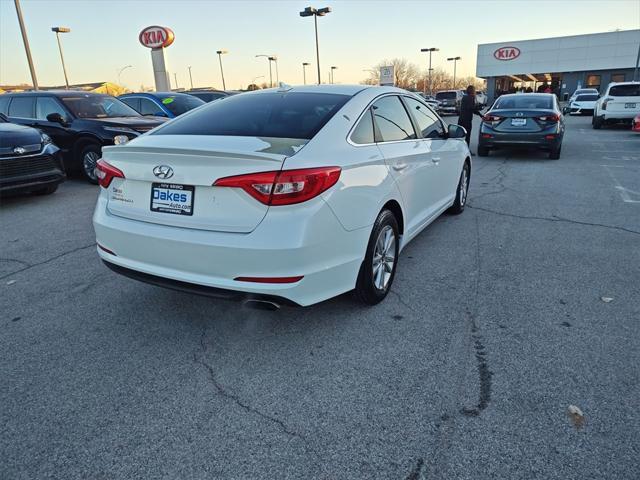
(620, 103)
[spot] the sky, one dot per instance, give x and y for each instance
(356, 35)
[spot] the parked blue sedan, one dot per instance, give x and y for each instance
(161, 104)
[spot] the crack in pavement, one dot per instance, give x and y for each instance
(403, 302)
(554, 218)
(222, 391)
(32, 265)
(501, 176)
(15, 260)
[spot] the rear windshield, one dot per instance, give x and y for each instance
(525, 102)
(179, 104)
(625, 90)
(208, 96)
(273, 114)
(586, 98)
(445, 95)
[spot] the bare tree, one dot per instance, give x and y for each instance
(406, 74)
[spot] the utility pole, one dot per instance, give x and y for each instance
(304, 72)
(319, 12)
(430, 50)
(175, 76)
(58, 31)
(455, 61)
(220, 53)
(25, 40)
(190, 78)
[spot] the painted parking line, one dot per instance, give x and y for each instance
(627, 194)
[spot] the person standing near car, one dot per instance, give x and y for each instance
(468, 107)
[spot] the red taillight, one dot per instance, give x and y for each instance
(550, 137)
(488, 118)
(269, 279)
(604, 103)
(285, 187)
(106, 173)
(553, 118)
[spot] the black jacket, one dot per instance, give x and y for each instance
(468, 108)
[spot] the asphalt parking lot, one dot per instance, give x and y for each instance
(498, 321)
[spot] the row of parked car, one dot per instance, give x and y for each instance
(448, 101)
(44, 134)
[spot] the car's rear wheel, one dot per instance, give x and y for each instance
(379, 267)
(597, 122)
(554, 154)
(462, 191)
(89, 157)
(483, 151)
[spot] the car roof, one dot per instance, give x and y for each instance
(338, 89)
(155, 94)
(57, 93)
(527, 95)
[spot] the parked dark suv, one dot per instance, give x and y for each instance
(79, 123)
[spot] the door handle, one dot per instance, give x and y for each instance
(398, 167)
(436, 160)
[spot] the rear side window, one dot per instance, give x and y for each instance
(363, 133)
(149, 107)
(273, 114)
(133, 102)
(21, 107)
(4, 104)
(392, 120)
(427, 122)
(631, 90)
(48, 105)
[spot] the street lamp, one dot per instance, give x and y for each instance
(175, 76)
(332, 69)
(430, 50)
(274, 59)
(304, 71)
(220, 53)
(320, 12)
(122, 70)
(190, 77)
(455, 61)
(268, 57)
(58, 31)
(25, 41)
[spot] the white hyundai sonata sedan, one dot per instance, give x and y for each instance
(290, 195)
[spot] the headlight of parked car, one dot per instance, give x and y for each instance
(120, 139)
(124, 134)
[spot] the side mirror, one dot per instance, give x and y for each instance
(56, 118)
(456, 131)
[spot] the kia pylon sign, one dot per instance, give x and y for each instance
(156, 37)
(507, 53)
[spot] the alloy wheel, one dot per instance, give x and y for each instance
(89, 162)
(384, 258)
(464, 186)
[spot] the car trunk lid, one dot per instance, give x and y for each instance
(521, 120)
(196, 162)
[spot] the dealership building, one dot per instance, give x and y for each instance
(560, 64)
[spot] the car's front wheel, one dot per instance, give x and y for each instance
(380, 261)
(597, 122)
(89, 157)
(462, 191)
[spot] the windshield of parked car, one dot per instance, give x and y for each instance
(525, 102)
(179, 104)
(586, 98)
(97, 106)
(274, 114)
(630, 90)
(445, 95)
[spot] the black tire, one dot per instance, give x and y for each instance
(597, 122)
(554, 154)
(483, 151)
(48, 190)
(88, 156)
(367, 287)
(462, 190)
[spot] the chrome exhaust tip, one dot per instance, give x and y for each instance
(256, 304)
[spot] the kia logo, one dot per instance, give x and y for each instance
(163, 171)
(507, 53)
(156, 37)
(19, 150)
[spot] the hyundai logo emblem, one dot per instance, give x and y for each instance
(19, 150)
(519, 114)
(163, 171)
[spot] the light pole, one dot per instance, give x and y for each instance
(304, 72)
(320, 12)
(122, 70)
(268, 57)
(430, 50)
(58, 31)
(175, 76)
(190, 78)
(25, 40)
(220, 53)
(332, 69)
(455, 61)
(274, 59)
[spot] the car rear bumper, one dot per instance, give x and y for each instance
(547, 139)
(618, 115)
(23, 174)
(301, 240)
